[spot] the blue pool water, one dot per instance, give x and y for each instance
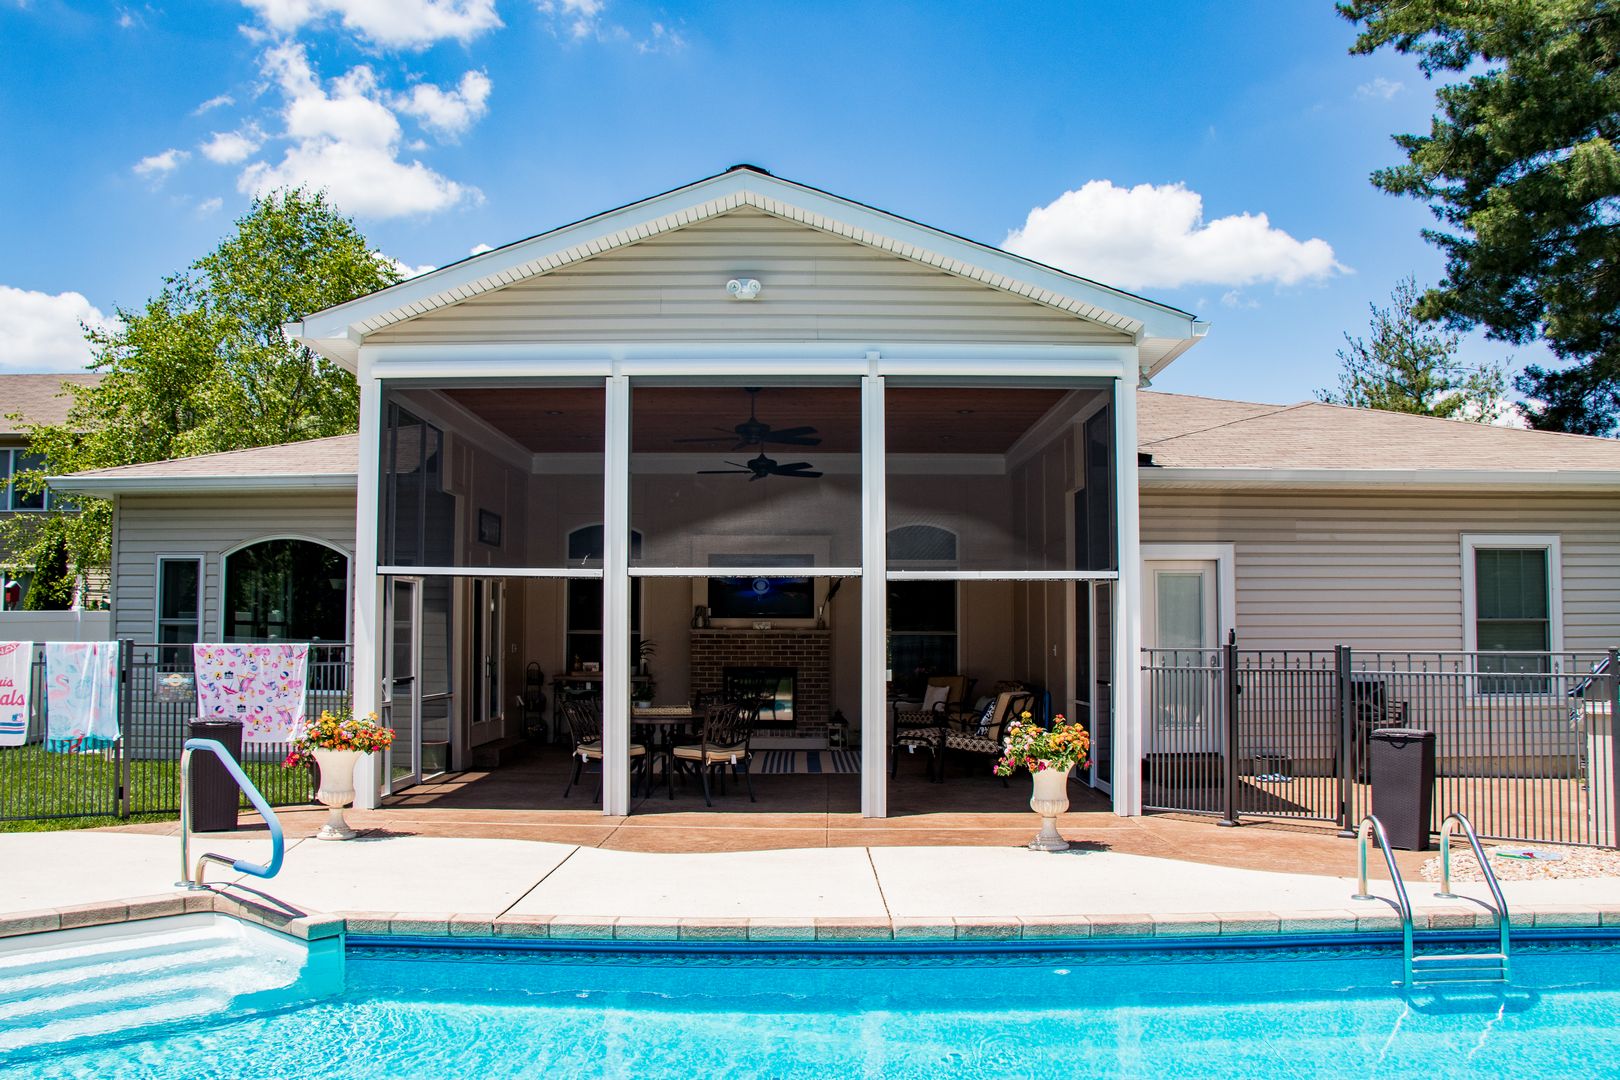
(1333, 1012)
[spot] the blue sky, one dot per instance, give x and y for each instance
(1149, 137)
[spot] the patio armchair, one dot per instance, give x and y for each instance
(924, 727)
(727, 732)
(584, 720)
(982, 735)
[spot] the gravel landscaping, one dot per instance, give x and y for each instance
(1577, 862)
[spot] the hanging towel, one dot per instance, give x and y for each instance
(16, 665)
(260, 685)
(81, 695)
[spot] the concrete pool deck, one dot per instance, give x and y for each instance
(444, 885)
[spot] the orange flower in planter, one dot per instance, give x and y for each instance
(1030, 746)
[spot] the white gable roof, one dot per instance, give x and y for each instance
(1161, 332)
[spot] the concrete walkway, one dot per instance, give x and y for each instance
(426, 876)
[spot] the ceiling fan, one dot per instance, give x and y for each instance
(763, 467)
(756, 432)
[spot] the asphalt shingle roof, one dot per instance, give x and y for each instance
(39, 398)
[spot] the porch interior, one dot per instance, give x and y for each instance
(992, 495)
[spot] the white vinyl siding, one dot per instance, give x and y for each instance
(147, 527)
(816, 286)
(1385, 571)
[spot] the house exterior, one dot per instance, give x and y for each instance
(764, 429)
(25, 400)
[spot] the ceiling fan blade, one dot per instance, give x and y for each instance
(793, 440)
(718, 472)
(792, 466)
(793, 432)
(811, 475)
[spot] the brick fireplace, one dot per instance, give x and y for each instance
(808, 651)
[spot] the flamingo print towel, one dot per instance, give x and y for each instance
(260, 685)
(16, 662)
(81, 695)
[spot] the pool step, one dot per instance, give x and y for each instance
(1442, 968)
(99, 983)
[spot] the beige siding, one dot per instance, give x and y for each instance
(152, 526)
(816, 287)
(1385, 571)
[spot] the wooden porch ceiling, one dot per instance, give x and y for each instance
(920, 420)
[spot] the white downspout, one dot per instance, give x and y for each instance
(1127, 773)
(367, 644)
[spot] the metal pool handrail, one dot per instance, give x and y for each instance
(1371, 826)
(191, 880)
(1447, 828)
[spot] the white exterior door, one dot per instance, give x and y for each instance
(1180, 628)
(402, 681)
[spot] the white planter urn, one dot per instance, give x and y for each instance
(1050, 798)
(337, 790)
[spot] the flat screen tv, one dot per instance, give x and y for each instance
(762, 597)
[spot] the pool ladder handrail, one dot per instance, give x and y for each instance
(194, 880)
(1371, 827)
(1447, 828)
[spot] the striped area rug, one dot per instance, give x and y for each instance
(807, 761)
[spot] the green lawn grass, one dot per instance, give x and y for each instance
(40, 790)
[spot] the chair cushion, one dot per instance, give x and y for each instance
(590, 751)
(710, 754)
(935, 696)
(961, 740)
(922, 736)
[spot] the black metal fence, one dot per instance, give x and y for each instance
(1524, 742)
(139, 774)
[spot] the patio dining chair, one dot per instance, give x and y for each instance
(584, 719)
(923, 728)
(727, 732)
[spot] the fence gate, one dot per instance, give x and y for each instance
(1524, 742)
(139, 773)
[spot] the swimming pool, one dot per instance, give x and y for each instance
(1325, 1011)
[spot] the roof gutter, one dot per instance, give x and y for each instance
(1171, 477)
(222, 484)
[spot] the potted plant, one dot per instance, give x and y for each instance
(335, 742)
(1049, 754)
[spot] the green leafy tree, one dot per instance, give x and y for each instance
(52, 585)
(1520, 167)
(1406, 365)
(204, 366)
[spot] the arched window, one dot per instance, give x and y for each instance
(922, 543)
(286, 589)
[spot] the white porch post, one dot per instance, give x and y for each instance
(1128, 720)
(874, 602)
(367, 621)
(616, 600)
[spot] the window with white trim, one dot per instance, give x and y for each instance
(179, 610)
(12, 464)
(1512, 592)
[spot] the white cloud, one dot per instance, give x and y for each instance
(1234, 298)
(578, 20)
(158, 166)
(394, 23)
(406, 270)
(232, 147)
(1380, 89)
(479, 249)
(41, 332)
(447, 113)
(212, 103)
(1156, 236)
(209, 206)
(344, 139)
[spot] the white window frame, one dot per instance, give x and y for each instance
(201, 562)
(1549, 542)
(348, 585)
(12, 454)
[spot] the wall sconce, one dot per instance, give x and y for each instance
(743, 288)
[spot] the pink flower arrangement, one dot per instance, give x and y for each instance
(1031, 746)
(340, 730)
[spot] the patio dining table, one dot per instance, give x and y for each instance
(666, 723)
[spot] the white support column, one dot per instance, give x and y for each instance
(1128, 718)
(874, 602)
(367, 621)
(616, 600)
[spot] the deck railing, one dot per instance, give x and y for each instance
(1524, 743)
(139, 773)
